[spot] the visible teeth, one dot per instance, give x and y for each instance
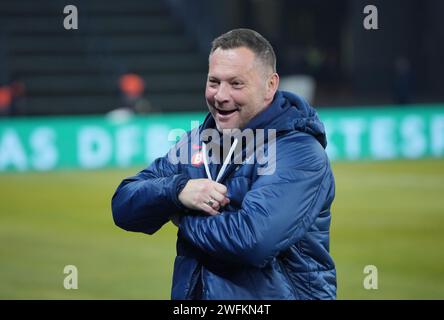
(226, 111)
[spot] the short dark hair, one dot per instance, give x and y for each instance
(250, 39)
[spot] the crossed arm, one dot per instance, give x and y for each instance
(275, 212)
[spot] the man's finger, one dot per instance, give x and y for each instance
(213, 204)
(220, 188)
(219, 197)
(222, 199)
(224, 202)
(205, 207)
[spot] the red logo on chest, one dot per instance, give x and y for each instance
(197, 159)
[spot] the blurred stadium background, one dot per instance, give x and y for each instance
(82, 109)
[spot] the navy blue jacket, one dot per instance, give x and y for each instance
(272, 240)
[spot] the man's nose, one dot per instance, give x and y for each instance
(222, 94)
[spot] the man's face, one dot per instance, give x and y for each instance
(236, 87)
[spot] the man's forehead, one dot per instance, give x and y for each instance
(237, 58)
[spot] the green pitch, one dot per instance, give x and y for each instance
(386, 214)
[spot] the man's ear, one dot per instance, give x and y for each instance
(272, 86)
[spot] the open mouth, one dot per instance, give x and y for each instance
(225, 112)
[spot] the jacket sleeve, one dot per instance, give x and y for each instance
(146, 201)
(276, 212)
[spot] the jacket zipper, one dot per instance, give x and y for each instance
(193, 282)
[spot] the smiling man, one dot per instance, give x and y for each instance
(239, 86)
(250, 233)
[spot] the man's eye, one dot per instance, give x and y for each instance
(237, 84)
(213, 82)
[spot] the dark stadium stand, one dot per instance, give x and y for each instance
(77, 71)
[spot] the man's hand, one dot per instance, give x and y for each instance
(204, 195)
